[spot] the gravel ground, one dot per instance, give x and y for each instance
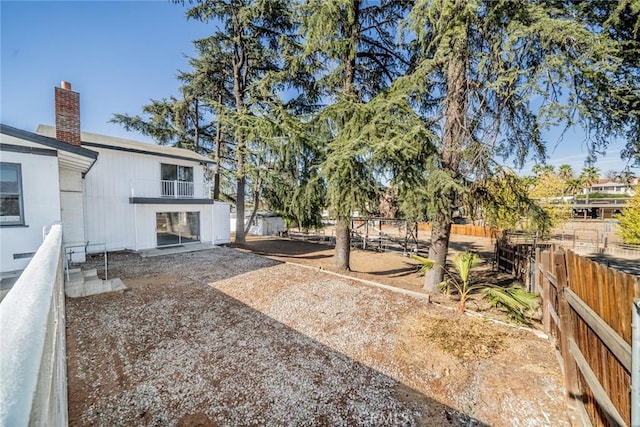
(222, 337)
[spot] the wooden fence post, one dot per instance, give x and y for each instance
(546, 316)
(566, 329)
(537, 276)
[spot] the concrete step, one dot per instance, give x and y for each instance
(90, 274)
(85, 283)
(74, 278)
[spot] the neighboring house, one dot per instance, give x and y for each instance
(109, 193)
(611, 186)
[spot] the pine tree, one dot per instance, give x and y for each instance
(352, 49)
(195, 121)
(496, 72)
(249, 33)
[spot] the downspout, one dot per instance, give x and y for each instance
(635, 363)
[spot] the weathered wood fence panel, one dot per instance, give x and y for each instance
(515, 259)
(587, 310)
(465, 230)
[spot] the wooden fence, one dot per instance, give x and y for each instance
(518, 259)
(515, 259)
(465, 230)
(587, 311)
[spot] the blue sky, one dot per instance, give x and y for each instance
(119, 55)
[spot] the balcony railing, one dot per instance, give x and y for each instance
(177, 189)
(170, 189)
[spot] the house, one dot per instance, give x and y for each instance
(109, 193)
(612, 186)
(41, 182)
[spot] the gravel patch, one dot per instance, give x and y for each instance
(222, 337)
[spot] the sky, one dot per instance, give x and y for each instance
(121, 54)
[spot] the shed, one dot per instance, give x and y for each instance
(267, 224)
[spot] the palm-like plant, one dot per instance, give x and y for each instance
(463, 263)
(515, 300)
(573, 186)
(565, 172)
(588, 177)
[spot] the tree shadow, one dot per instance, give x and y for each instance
(184, 353)
(283, 247)
(410, 269)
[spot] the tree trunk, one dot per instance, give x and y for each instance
(239, 63)
(240, 210)
(440, 232)
(453, 143)
(256, 204)
(343, 223)
(343, 244)
(216, 170)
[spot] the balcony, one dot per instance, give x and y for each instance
(166, 191)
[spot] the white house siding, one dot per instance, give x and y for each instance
(41, 202)
(72, 212)
(110, 217)
(221, 226)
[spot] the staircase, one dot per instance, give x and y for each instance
(82, 283)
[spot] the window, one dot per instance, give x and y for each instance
(11, 211)
(177, 181)
(176, 228)
(176, 173)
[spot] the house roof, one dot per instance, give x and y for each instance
(120, 144)
(69, 156)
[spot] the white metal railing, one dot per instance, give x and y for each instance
(170, 189)
(71, 249)
(33, 378)
(177, 189)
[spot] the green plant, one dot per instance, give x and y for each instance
(515, 300)
(630, 222)
(518, 302)
(463, 263)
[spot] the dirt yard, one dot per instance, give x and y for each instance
(390, 268)
(226, 337)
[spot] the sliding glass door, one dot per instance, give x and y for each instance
(176, 228)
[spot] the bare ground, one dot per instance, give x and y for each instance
(223, 337)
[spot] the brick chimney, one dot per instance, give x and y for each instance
(67, 114)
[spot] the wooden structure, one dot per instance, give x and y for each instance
(519, 260)
(587, 311)
(380, 233)
(466, 230)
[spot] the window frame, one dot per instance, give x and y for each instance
(21, 220)
(177, 172)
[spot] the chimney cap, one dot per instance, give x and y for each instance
(65, 85)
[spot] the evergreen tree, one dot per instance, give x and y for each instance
(248, 33)
(496, 71)
(195, 121)
(351, 47)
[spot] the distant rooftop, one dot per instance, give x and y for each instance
(104, 141)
